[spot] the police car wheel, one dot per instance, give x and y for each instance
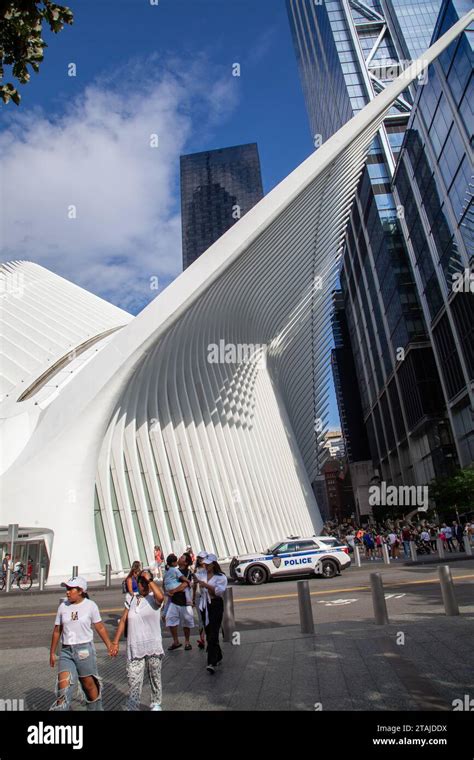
(256, 575)
(328, 568)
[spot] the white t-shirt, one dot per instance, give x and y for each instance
(77, 621)
(144, 627)
(201, 575)
(448, 532)
(219, 583)
(392, 538)
(425, 536)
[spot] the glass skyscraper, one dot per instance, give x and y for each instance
(217, 188)
(411, 24)
(434, 187)
(404, 411)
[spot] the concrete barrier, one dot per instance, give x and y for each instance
(306, 610)
(228, 621)
(378, 599)
(447, 590)
(357, 556)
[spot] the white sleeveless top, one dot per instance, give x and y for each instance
(144, 627)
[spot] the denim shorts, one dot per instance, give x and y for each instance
(80, 658)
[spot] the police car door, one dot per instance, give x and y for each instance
(308, 551)
(299, 559)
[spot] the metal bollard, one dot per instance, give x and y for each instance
(467, 545)
(386, 556)
(306, 611)
(8, 580)
(357, 555)
(228, 622)
(440, 548)
(447, 590)
(75, 571)
(41, 578)
(108, 576)
(413, 554)
(378, 599)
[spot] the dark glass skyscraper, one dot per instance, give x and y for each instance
(347, 392)
(217, 188)
(366, 43)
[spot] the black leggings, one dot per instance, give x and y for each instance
(215, 611)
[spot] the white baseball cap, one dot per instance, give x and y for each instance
(202, 555)
(209, 559)
(78, 582)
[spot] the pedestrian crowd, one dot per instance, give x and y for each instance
(166, 593)
(398, 535)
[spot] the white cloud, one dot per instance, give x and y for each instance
(97, 156)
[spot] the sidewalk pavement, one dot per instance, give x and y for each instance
(351, 665)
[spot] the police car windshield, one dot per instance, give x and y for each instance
(273, 548)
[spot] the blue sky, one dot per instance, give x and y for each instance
(84, 140)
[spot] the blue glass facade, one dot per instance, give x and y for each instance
(217, 188)
(434, 186)
(412, 23)
(397, 371)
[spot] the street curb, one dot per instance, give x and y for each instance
(438, 561)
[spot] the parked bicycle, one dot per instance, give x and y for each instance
(19, 578)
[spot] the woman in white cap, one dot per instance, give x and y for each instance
(144, 644)
(75, 622)
(200, 574)
(212, 605)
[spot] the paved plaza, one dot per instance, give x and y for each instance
(423, 660)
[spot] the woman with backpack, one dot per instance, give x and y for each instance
(131, 586)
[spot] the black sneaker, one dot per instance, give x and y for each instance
(211, 669)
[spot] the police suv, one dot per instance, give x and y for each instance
(318, 555)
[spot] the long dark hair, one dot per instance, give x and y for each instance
(216, 568)
(135, 566)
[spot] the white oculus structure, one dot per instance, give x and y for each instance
(119, 433)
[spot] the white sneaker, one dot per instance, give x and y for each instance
(156, 707)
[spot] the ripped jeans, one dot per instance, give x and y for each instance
(77, 661)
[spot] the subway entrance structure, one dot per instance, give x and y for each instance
(120, 432)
